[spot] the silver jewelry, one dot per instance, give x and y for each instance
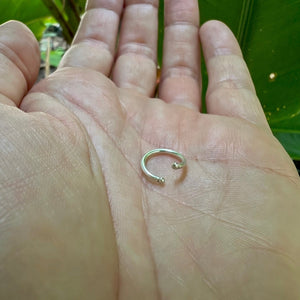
(175, 165)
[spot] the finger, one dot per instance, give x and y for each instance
(180, 77)
(135, 66)
(94, 44)
(19, 62)
(230, 91)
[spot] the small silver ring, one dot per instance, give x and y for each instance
(175, 165)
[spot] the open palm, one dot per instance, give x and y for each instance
(79, 220)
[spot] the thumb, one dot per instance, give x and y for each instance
(19, 62)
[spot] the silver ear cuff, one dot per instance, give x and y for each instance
(175, 165)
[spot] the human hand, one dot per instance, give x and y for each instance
(78, 218)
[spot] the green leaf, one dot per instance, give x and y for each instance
(67, 13)
(72, 12)
(160, 32)
(57, 10)
(81, 5)
(268, 32)
(288, 133)
(33, 13)
(22, 10)
(55, 57)
(291, 142)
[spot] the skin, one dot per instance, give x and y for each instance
(78, 220)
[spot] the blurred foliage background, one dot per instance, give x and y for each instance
(267, 30)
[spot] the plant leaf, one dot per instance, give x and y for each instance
(268, 32)
(245, 20)
(288, 133)
(55, 57)
(33, 13)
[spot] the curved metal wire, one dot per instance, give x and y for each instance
(175, 165)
